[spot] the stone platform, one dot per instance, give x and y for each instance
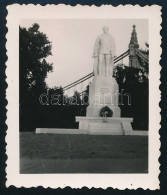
(80, 132)
(59, 131)
(108, 126)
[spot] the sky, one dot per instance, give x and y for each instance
(73, 43)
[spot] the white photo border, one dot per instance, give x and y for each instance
(17, 12)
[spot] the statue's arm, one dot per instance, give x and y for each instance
(114, 53)
(96, 47)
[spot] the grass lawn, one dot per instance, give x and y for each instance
(51, 153)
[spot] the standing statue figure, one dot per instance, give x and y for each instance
(104, 53)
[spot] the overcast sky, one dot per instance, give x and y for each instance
(73, 42)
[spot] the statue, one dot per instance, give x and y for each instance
(104, 53)
(104, 94)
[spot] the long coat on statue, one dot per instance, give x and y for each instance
(105, 44)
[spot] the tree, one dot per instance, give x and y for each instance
(134, 81)
(34, 48)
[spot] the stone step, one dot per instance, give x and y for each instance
(105, 126)
(59, 131)
(95, 132)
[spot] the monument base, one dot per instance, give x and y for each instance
(103, 91)
(105, 126)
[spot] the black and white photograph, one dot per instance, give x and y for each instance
(86, 93)
(83, 96)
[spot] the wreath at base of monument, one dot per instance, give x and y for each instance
(106, 112)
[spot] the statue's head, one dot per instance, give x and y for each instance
(105, 29)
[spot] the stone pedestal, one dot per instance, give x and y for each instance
(108, 126)
(103, 91)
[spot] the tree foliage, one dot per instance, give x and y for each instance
(123, 73)
(134, 81)
(34, 48)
